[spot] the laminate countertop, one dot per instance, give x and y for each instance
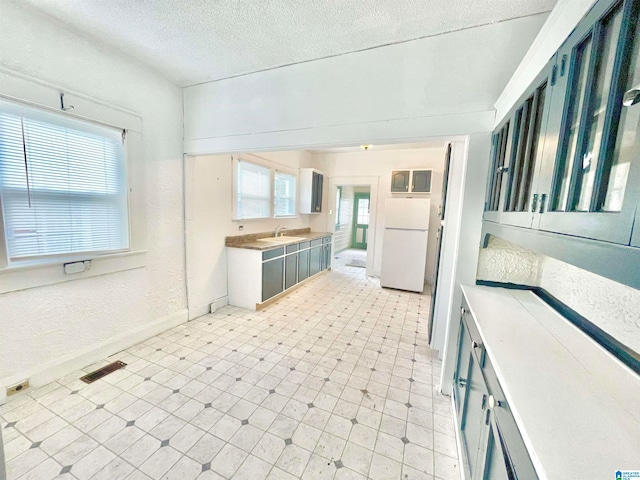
(576, 405)
(264, 243)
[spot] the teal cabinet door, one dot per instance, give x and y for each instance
(290, 270)
(315, 260)
(272, 278)
(303, 265)
(594, 188)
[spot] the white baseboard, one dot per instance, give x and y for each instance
(62, 366)
(211, 307)
(219, 303)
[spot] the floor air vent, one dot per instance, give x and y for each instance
(101, 372)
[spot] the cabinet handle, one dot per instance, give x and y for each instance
(503, 169)
(462, 311)
(534, 202)
(475, 344)
(462, 382)
(493, 402)
(631, 96)
(543, 199)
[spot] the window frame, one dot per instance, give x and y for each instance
(33, 273)
(338, 205)
(236, 161)
(290, 173)
(50, 123)
(273, 168)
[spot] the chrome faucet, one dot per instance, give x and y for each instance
(279, 230)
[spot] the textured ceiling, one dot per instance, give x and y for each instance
(194, 41)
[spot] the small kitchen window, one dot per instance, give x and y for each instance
(284, 194)
(252, 190)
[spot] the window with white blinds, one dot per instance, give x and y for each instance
(63, 185)
(284, 195)
(253, 192)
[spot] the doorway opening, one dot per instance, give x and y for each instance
(353, 216)
(361, 211)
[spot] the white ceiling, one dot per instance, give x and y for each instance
(194, 41)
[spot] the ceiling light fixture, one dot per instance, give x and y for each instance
(365, 147)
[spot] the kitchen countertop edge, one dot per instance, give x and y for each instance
(263, 246)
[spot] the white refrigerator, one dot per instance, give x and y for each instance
(404, 244)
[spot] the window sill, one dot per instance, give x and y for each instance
(22, 277)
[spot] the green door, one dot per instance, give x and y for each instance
(361, 210)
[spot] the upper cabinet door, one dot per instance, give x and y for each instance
(400, 181)
(421, 181)
(516, 162)
(598, 144)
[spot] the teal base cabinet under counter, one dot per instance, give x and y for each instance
(258, 274)
(536, 398)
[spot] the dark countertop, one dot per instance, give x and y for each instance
(256, 244)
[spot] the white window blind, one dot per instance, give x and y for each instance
(253, 192)
(62, 184)
(284, 198)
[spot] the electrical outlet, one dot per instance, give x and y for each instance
(240, 227)
(20, 387)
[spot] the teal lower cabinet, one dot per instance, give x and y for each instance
(303, 265)
(535, 396)
(272, 272)
(492, 448)
(315, 258)
(258, 275)
(291, 270)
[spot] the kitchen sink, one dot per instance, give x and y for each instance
(284, 239)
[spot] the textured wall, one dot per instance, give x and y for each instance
(613, 307)
(506, 262)
(40, 325)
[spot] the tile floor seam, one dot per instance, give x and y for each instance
(345, 316)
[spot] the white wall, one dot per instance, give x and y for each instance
(461, 243)
(208, 192)
(42, 328)
(380, 163)
(438, 86)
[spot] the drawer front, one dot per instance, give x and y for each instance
(317, 242)
(276, 252)
(292, 248)
(304, 245)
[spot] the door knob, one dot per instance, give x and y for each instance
(493, 402)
